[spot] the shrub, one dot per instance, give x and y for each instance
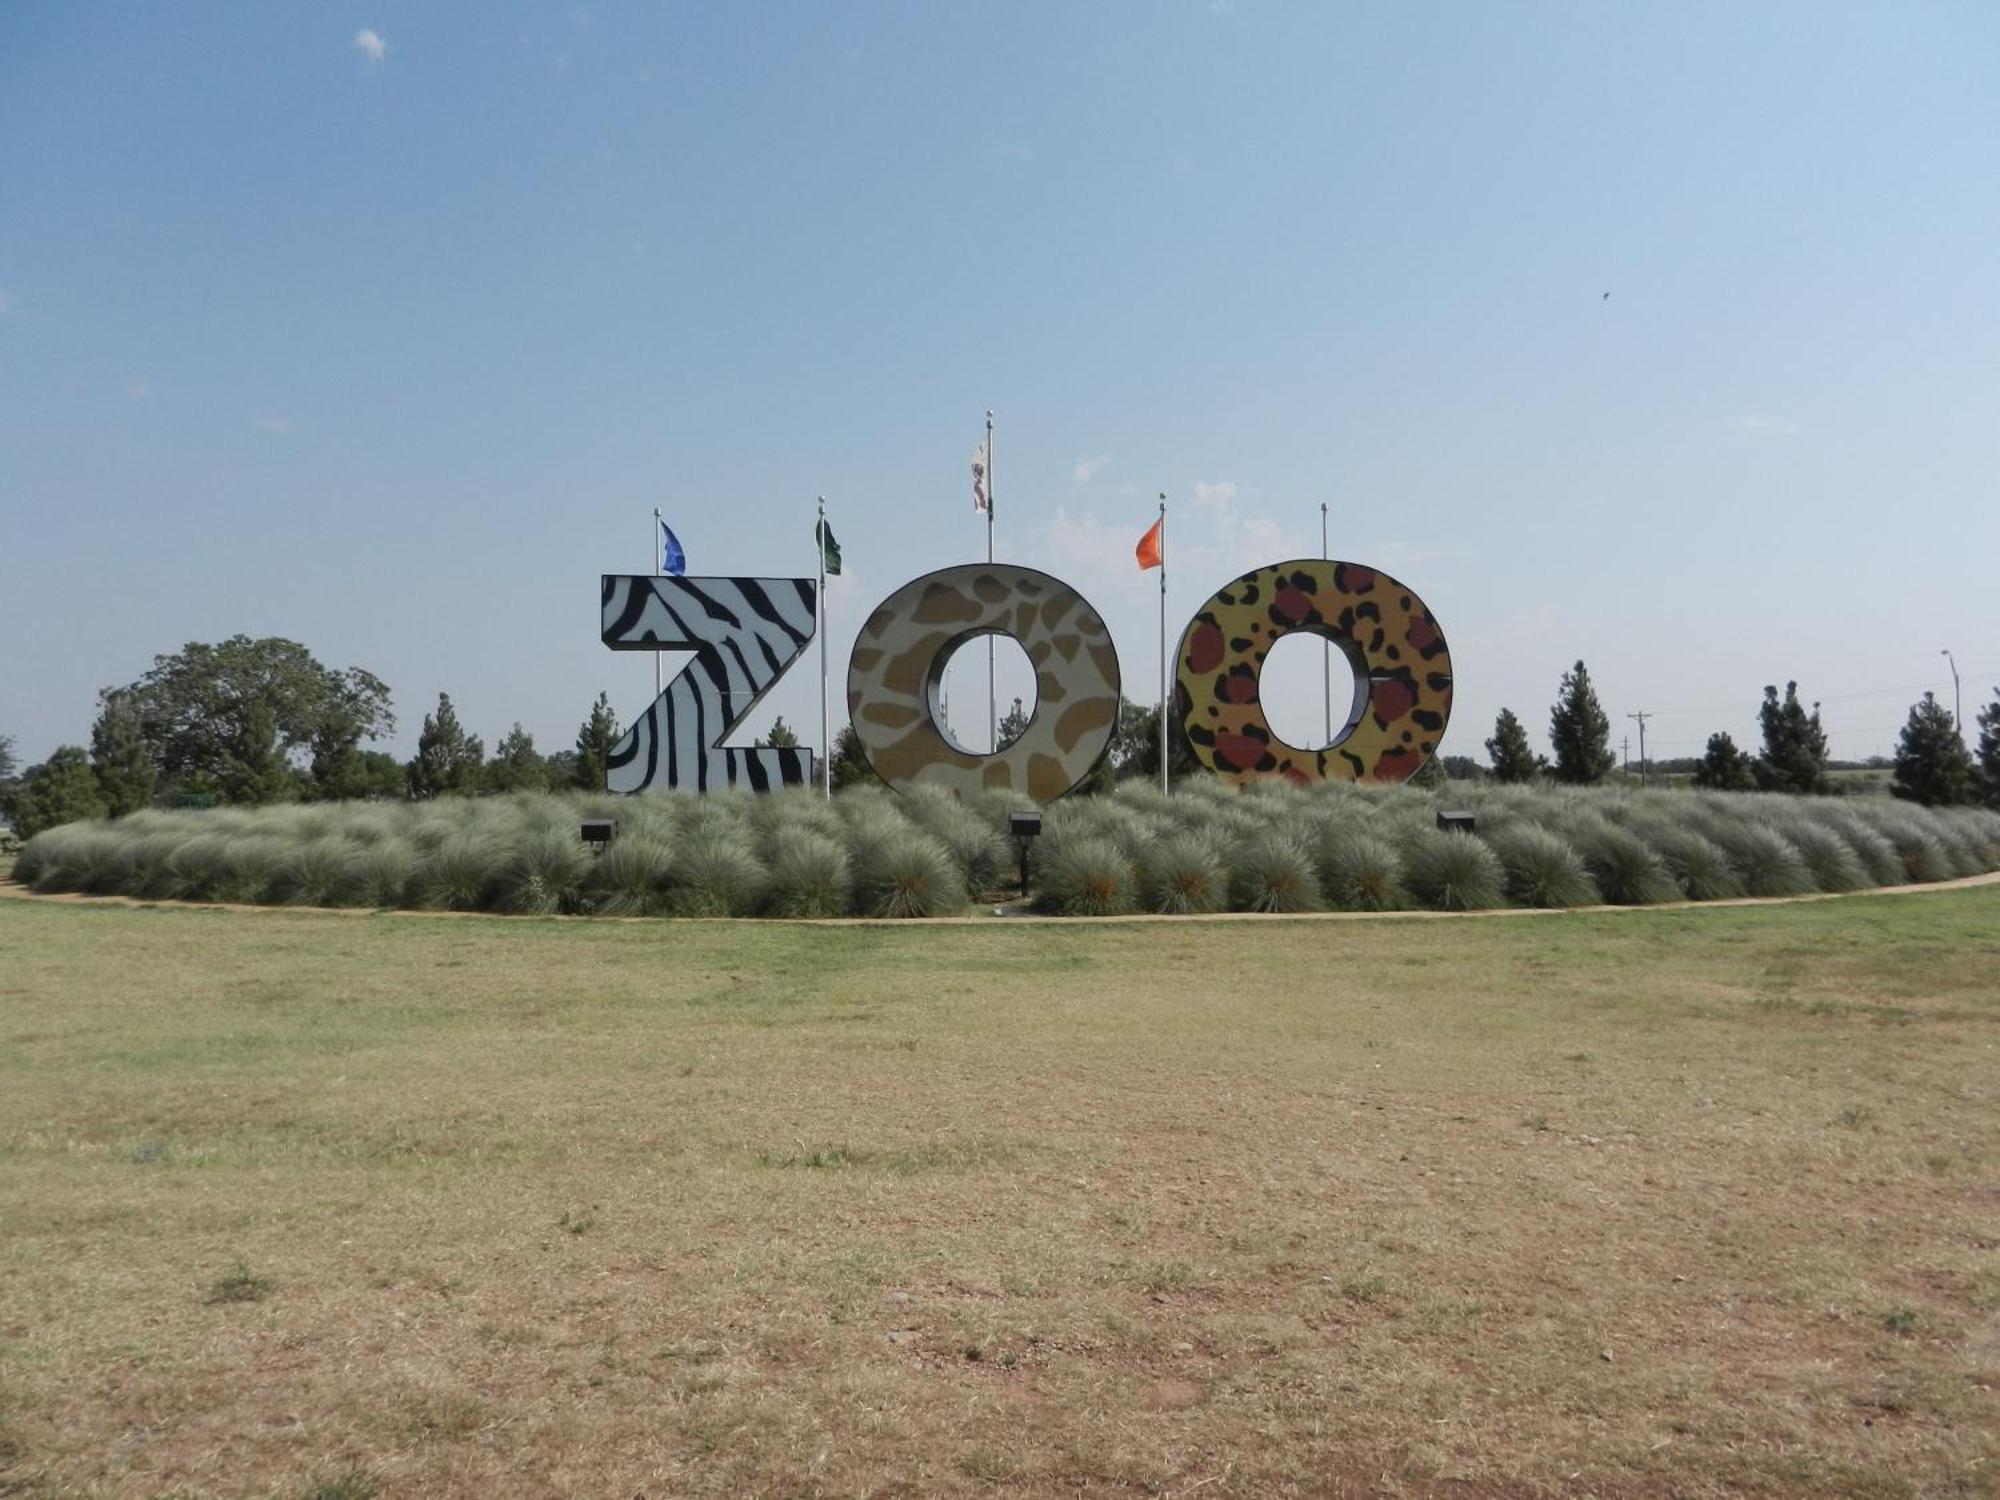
(1360, 871)
(810, 876)
(1181, 874)
(1272, 872)
(1452, 871)
(1541, 869)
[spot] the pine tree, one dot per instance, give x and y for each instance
(782, 736)
(516, 766)
(1723, 767)
(118, 755)
(7, 762)
(594, 740)
(1989, 753)
(1580, 732)
(253, 769)
(1013, 724)
(60, 790)
(448, 759)
(1932, 764)
(1794, 755)
(1513, 758)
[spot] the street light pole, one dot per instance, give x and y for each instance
(1957, 717)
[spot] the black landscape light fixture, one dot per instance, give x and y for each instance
(1455, 822)
(597, 832)
(1026, 827)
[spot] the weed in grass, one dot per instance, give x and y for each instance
(1854, 1117)
(1900, 1320)
(238, 1284)
(355, 1484)
(1363, 1286)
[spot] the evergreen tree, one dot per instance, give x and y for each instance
(1431, 773)
(60, 790)
(1723, 767)
(1135, 750)
(850, 764)
(7, 761)
(1580, 732)
(1463, 768)
(594, 740)
(1013, 724)
(1932, 764)
(782, 736)
(1989, 752)
(253, 769)
(118, 755)
(1513, 758)
(1794, 755)
(516, 767)
(448, 759)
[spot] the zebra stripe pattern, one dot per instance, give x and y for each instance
(744, 633)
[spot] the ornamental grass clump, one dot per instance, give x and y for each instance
(382, 872)
(318, 872)
(901, 871)
(543, 873)
(1921, 851)
(1541, 869)
(1828, 858)
(1360, 870)
(1084, 875)
(1626, 872)
(716, 873)
(1763, 859)
(1452, 871)
(809, 875)
(1697, 864)
(459, 873)
(630, 877)
(1271, 871)
(976, 845)
(1884, 866)
(1182, 875)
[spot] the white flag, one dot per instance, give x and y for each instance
(981, 458)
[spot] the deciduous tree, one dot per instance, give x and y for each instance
(1989, 752)
(516, 767)
(60, 790)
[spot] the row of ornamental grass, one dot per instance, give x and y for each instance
(1279, 848)
(1203, 849)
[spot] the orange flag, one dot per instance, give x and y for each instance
(1148, 549)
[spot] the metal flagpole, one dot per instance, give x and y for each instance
(659, 571)
(819, 603)
(992, 695)
(1163, 642)
(1326, 646)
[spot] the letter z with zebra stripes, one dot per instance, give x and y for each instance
(744, 633)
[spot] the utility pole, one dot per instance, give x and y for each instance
(1642, 718)
(1957, 722)
(1625, 745)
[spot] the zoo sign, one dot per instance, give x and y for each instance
(745, 633)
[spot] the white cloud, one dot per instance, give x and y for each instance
(1779, 425)
(1088, 469)
(370, 45)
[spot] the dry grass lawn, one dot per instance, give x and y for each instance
(1693, 1203)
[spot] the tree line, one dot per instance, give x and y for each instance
(257, 721)
(1932, 765)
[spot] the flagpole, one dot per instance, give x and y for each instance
(659, 571)
(819, 604)
(1326, 647)
(1163, 644)
(992, 695)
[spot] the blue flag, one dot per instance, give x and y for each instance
(672, 559)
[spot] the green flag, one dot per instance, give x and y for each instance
(829, 548)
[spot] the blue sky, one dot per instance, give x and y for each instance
(385, 326)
